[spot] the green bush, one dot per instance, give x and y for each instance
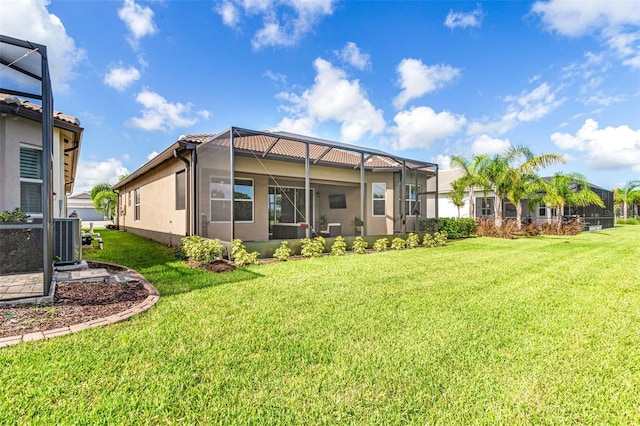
(628, 221)
(398, 244)
(313, 247)
(283, 252)
(15, 216)
(381, 244)
(359, 245)
(436, 240)
(339, 247)
(241, 256)
(200, 249)
(413, 240)
(454, 227)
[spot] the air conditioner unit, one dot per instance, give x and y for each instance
(67, 240)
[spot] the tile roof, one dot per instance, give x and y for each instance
(11, 100)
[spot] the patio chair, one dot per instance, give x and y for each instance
(333, 230)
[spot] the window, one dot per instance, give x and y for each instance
(31, 180)
(287, 205)
(180, 190)
(379, 198)
(485, 206)
(220, 190)
(130, 197)
(412, 199)
(542, 210)
(243, 200)
(137, 204)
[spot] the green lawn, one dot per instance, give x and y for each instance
(482, 331)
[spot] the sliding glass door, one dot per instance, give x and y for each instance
(287, 205)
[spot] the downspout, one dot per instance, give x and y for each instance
(188, 186)
(436, 198)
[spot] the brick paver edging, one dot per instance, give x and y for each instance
(151, 300)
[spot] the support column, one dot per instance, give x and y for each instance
(307, 190)
(232, 175)
(363, 188)
(403, 188)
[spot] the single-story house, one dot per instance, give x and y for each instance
(39, 152)
(262, 185)
(594, 216)
(82, 206)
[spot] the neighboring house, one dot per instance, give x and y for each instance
(39, 151)
(82, 205)
(21, 172)
(284, 185)
(594, 216)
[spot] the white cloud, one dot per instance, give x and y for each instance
(91, 173)
(443, 161)
(417, 79)
(528, 106)
(229, 13)
(158, 114)
(152, 155)
(607, 19)
(420, 127)
(608, 148)
(489, 146)
(30, 20)
(285, 22)
(332, 97)
(121, 78)
(464, 20)
(355, 57)
(204, 114)
(139, 21)
(577, 18)
(276, 77)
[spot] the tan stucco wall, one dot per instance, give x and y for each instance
(13, 132)
(157, 204)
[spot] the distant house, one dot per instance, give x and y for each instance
(595, 217)
(82, 205)
(260, 186)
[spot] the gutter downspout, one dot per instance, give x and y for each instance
(189, 188)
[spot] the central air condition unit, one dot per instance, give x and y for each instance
(67, 240)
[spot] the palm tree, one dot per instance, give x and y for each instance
(627, 194)
(457, 196)
(568, 190)
(471, 179)
(105, 199)
(522, 180)
(512, 175)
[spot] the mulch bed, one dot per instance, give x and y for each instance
(219, 265)
(74, 303)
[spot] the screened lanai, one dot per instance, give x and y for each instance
(26, 247)
(292, 186)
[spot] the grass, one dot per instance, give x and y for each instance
(483, 331)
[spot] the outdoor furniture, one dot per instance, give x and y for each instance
(333, 230)
(289, 231)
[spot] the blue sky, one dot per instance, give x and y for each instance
(424, 80)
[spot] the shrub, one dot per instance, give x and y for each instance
(436, 240)
(413, 240)
(313, 248)
(530, 230)
(381, 244)
(454, 227)
(398, 244)
(241, 256)
(200, 249)
(339, 247)
(359, 245)
(457, 228)
(283, 252)
(15, 216)
(428, 225)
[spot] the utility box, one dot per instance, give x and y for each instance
(67, 241)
